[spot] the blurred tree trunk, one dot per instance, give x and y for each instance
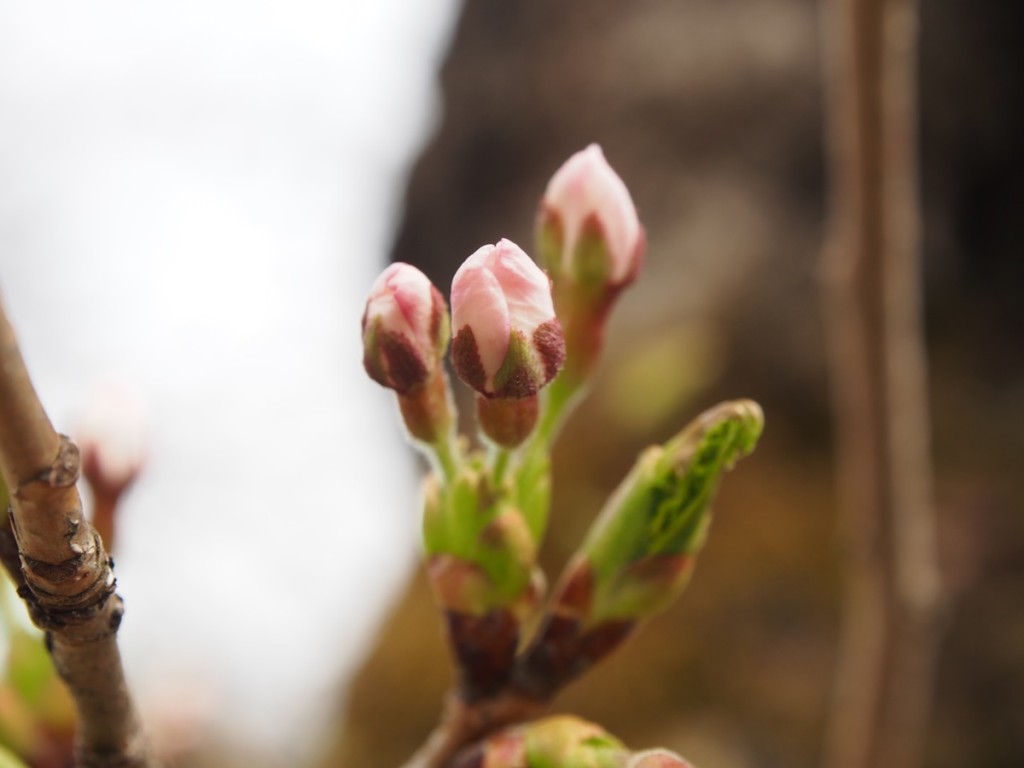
(873, 309)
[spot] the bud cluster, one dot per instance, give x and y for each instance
(657, 758)
(508, 342)
(526, 341)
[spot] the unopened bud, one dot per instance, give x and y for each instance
(507, 341)
(112, 436)
(113, 441)
(657, 758)
(560, 741)
(565, 740)
(405, 329)
(480, 549)
(589, 227)
(591, 242)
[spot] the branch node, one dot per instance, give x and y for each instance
(66, 607)
(62, 473)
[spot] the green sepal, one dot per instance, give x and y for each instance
(481, 527)
(455, 512)
(533, 487)
(550, 244)
(520, 374)
(591, 264)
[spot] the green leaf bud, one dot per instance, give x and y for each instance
(564, 741)
(642, 546)
(640, 552)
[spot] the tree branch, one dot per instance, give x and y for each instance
(68, 582)
(463, 724)
(878, 363)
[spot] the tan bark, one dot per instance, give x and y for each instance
(65, 575)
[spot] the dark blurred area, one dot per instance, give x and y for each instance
(712, 113)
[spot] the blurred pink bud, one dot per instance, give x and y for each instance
(587, 199)
(405, 329)
(657, 758)
(113, 437)
(507, 341)
(181, 715)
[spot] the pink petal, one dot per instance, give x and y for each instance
(587, 185)
(478, 302)
(527, 289)
(401, 302)
(412, 295)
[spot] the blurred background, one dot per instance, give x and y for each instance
(198, 199)
(194, 200)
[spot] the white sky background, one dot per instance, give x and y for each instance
(195, 197)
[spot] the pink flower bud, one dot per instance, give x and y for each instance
(657, 758)
(507, 341)
(587, 199)
(405, 329)
(113, 440)
(113, 437)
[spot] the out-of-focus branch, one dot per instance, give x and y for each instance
(878, 365)
(67, 583)
(463, 724)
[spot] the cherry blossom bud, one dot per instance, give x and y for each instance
(592, 244)
(405, 329)
(560, 740)
(571, 741)
(588, 223)
(507, 341)
(481, 564)
(657, 758)
(112, 436)
(113, 439)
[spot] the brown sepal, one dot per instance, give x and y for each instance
(466, 359)
(402, 369)
(549, 342)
